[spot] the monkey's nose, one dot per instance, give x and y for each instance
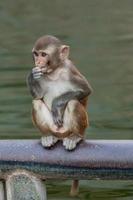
(39, 64)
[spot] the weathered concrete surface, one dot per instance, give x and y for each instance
(92, 159)
(2, 194)
(21, 185)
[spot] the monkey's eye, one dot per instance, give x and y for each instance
(35, 53)
(43, 54)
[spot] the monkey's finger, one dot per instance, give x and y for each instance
(59, 122)
(44, 69)
(37, 73)
(57, 118)
(36, 76)
(56, 122)
(36, 69)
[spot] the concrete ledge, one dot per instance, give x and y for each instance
(92, 159)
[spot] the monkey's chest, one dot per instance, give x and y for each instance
(56, 89)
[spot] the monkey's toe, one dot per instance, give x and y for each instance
(48, 141)
(71, 143)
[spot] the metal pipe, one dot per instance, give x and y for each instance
(92, 159)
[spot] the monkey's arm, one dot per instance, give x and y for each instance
(83, 89)
(34, 87)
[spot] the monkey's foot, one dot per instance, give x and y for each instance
(71, 143)
(48, 141)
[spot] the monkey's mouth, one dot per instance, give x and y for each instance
(46, 69)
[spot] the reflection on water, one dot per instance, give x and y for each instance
(93, 190)
(100, 34)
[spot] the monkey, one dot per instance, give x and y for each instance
(60, 93)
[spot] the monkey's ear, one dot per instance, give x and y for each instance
(64, 52)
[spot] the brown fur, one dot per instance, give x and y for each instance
(78, 125)
(44, 41)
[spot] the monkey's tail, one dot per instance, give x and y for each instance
(74, 188)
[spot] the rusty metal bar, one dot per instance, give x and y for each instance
(103, 159)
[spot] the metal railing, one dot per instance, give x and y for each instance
(25, 163)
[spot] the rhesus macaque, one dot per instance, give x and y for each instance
(59, 94)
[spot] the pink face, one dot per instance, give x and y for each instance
(50, 58)
(41, 59)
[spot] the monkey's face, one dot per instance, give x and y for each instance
(48, 60)
(49, 53)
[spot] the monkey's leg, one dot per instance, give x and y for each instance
(76, 120)
(42, 118)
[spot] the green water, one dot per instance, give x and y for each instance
(100, 34)
(93, 190)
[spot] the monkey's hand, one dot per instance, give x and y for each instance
(58, 113)
(37, 72)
